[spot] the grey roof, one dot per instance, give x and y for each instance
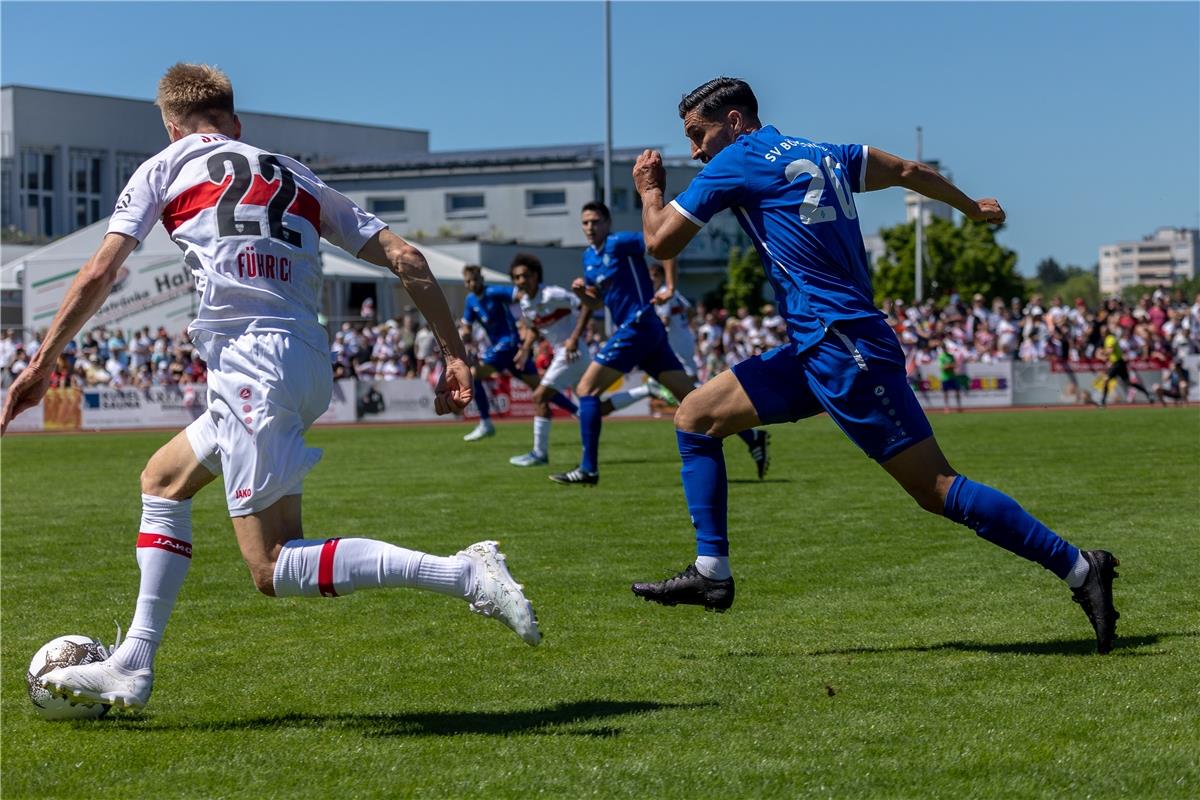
(507, 156)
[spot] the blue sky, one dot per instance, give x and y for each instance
(1082, 118)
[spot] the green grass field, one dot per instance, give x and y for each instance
(874, 650)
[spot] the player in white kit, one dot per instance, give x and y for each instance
(554, 313)
(248, 222)
(676, 313)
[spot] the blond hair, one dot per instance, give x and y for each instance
(194, 90)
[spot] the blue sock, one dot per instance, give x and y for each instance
(589, 433)
(998, 518)
(748, 436)
(562, 401)
(481, 401)
(706, 491)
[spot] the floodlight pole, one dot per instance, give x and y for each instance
(608, 104)
(920, 294)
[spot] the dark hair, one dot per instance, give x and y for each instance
(529, 261)
(709, 99)
(474, 269)
(598, 207)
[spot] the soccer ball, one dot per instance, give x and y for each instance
(65, 651)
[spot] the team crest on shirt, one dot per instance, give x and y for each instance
(124, 201)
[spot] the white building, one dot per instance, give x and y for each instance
(524, 196)
(65, 155)
(1167, 256)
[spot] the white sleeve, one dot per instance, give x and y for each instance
(558, 297)
(343, 223)
(141, 202)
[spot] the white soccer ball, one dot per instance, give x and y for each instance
(65, 651)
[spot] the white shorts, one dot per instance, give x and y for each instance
(684, 348)
(264, 391)
(563, 373)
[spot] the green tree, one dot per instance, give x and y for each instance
(1049, 272)
(744, 279)
(962, 258)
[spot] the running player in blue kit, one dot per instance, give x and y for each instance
(794, 198)
(615, 275)
(490, 306)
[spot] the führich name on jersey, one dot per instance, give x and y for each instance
(268, 266)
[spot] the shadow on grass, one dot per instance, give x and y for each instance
(760, 480)
(539, 721)
(1054, 647)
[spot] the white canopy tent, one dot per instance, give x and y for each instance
(155, 288)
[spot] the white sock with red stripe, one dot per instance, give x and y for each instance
(313, 568)
(164, 553)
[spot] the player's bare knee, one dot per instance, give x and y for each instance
(160, 482)
(690, 417)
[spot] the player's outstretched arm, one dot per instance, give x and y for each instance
(386, 249)
(670, 275)
(885, 169)
(84, 297)
(665, 230)
(585, 315)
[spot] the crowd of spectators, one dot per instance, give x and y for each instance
(110, 357)
(1152, 331)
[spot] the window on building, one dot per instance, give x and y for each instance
(620, 200)
(465, 205)
(83, 187)
(127, 164)
(6, 215)
(546, 201)
(37, 191)
(391, 207)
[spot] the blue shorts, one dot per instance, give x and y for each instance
(500, 358)
(855, 374)
(640, 343)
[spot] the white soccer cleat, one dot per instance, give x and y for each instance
(661, 392)
(529, 460)
(100, 682)
(483, 430)
(497, 595)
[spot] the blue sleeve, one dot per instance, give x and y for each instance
(718, 186)
(469, 312)
(502, 293)
(629, 243)
(854, 158)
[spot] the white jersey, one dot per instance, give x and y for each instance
(248, 222)
(554, 311)
(674, 316)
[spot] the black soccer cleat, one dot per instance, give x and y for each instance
(1096, 598)
(759, 452)
(576, 476)
(689, 588)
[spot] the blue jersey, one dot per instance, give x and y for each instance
(619, 270)
(493, 311)
(794, 198)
